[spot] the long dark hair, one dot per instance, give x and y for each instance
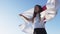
(40, 10)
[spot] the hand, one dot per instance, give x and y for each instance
(20, 14)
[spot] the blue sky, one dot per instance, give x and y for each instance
(10, 20)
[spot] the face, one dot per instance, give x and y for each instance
(36, 8)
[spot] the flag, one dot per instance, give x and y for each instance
(49, 12)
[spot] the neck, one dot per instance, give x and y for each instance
(38, 13)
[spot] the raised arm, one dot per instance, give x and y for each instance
(28, 19)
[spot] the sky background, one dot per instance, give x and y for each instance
(10, 20)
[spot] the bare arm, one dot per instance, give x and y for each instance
(28, 19)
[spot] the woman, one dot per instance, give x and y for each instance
(39, 25)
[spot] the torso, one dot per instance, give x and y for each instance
(38, 23)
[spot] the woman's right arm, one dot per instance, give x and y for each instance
(28, 19)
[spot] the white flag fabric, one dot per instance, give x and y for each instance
(49, 14)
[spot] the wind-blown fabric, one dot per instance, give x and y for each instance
(49, 12)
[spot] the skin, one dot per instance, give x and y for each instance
(36, 9)
(31, 19)
(25, 17)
